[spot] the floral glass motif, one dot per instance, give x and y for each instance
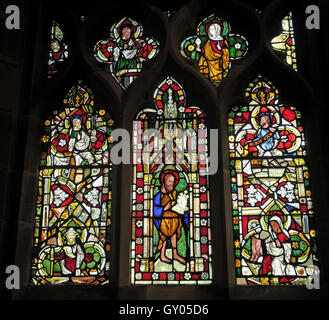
(58, 51)
(71, 235)
(273, 217)
(125, 50)
(171, 236)
(285, 42)
(214, 48)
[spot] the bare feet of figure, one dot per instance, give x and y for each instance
(178, 258)
(165, 259)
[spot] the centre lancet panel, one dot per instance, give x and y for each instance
(171, 236)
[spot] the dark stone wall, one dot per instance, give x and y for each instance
(13, 50)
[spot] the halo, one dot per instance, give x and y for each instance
(276, 213)
(116, 28)
(286, 219)
(225, 27)
(71, 229)
(215, 21)
(271, 110)
(126, 23)
(72, 223)
(76, 117)
(77, 113)
(169, 171)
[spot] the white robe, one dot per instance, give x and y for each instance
(281, 258)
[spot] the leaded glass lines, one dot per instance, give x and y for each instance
(73, 210)
(58, 51)
(273, 215)
(285, 41)
(125, 51)
(171, 236)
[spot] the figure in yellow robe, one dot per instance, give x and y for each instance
(215, 60)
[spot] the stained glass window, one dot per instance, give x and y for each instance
(273, 216)
(73, 210)
(285, 41)
(171, 238)
(214, 48)
(58, 50)
(126, 50)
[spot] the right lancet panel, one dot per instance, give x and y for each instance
(273, 217)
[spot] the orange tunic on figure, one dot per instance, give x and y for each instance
(214, 61)
(173, 224)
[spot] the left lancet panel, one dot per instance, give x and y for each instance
(71, 243)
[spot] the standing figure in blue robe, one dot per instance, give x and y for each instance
(168, 222)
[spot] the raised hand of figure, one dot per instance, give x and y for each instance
(278, 243)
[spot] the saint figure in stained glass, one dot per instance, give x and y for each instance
(126, 50)
(213, 48)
